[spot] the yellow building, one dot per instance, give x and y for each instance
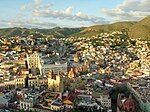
(19, 81)
(43, 81)
(76, 58)
(35, 81)
(55, 82)
(71, 73)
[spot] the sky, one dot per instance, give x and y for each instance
(70, 13)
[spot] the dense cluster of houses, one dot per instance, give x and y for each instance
(76, 75)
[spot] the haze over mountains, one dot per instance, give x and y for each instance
(139, 29)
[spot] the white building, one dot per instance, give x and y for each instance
(26, 104)
(56, 106)
(33, 61)
(56, 68)
(105, 100)
(29, 101)
(45, 65)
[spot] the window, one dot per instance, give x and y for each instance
(24, 106)
(28, 106)
(130, 109)
(21, 105)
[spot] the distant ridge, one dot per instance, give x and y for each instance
(139, 29)
(94, 30)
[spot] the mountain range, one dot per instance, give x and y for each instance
(136, 29)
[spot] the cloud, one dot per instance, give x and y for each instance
(38, 2)
(29, 23)
(67, 14)
(129, 10)
(42, 14)
(96, 20)
(53, 13)
(69, 10)
(23, 7)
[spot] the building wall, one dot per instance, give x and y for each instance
(55, 68)
(34, 61)
(33, 82)
(26, 105)
(43, 82)
(105, 101)
(56, 85)
(9, 84)
(54, 107)
(20, 82)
